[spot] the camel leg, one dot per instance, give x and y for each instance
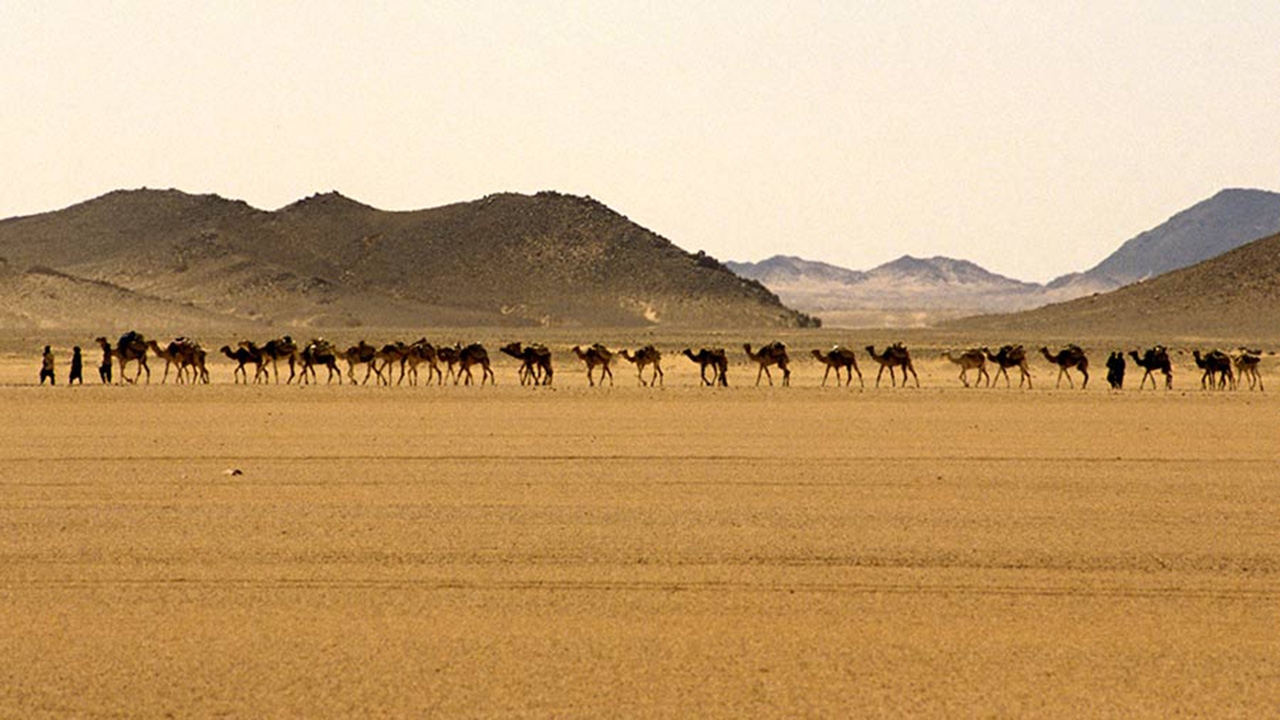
(658, 375)
(610, 372)
(963, 377)
(786, 376)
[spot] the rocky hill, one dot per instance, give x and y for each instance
(1234, 295)
(329, 261)
(1205, 230)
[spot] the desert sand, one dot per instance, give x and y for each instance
(630, 551)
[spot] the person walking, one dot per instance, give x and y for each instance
(77, 367)
(46, 367)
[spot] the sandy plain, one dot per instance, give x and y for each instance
(630, 551)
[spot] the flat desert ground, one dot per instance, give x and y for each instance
(628, 551)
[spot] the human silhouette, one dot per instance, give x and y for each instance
(77, 367)
(46, 367)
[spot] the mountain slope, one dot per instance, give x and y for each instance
(328, 260)
(1207, 229)
(1235, 295)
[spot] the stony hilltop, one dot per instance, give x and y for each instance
(1234, 295)
(150, 256)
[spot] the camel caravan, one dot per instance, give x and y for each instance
(421, 362)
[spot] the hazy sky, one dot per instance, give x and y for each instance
(1030, 137)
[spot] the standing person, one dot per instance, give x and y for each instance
(46, 367)
(104, 370)
(77, 367)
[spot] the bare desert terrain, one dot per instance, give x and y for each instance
(651, 552)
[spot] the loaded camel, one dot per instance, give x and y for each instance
(1010, 356)
(362, 353)
(535, 362)
(970, 360)
(1247, 366)
(596, 355)
(474, 354)
(388, 355)
(837, 358)
(1153, 359)
(450, 355)
(775, 353)
(281, 348)
(714, 358)
(244, 356)
(896, 355)
(319, 352)
(1071, 356)
(645, 356)
(132, 347)
(421, 352)
(182, 353)
(1217, 370)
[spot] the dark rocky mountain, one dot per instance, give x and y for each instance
(329, 261)
(1235, 295)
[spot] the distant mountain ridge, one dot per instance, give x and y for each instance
(327, 260)
(923, 291)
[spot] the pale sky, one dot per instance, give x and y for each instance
(1030, 137)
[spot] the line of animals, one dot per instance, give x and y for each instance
(1220, 370)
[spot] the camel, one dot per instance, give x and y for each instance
(450, 355)
(716, 359)
(836, 358)
(420, 352)
(1217, 370)
(595, 355)
(1153, 359)
(243, 356)
(1115, 370)
(194, 357)
(1247, 366)
(281, 348)
(319, 352)
(183, 353)
(970, 360)
(775, 353)
(645, 356)
(132, 347)
(896, 355)
(535, 362)
(388, 355)
(474, 354)
(104, 369)
(362, 353)
(1071, 356)
(1010, 356)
